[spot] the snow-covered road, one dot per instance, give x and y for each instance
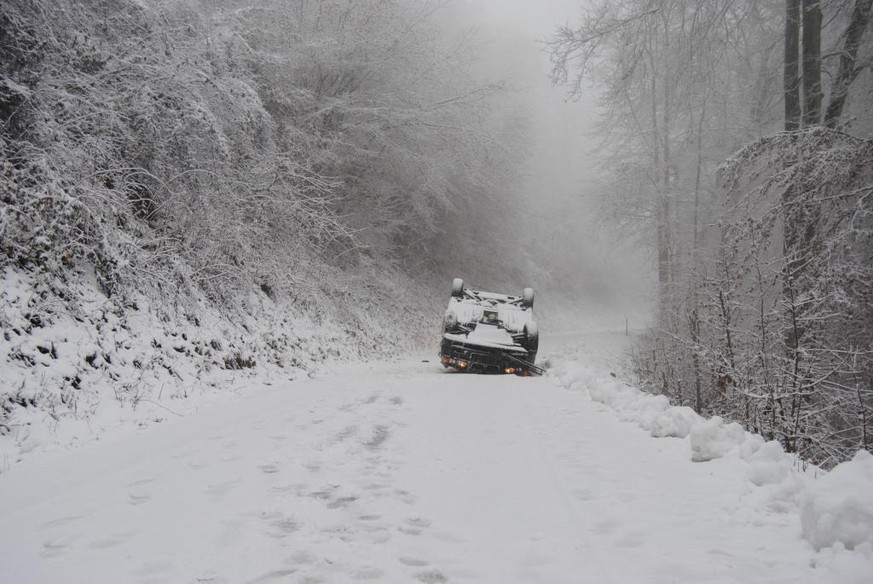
(404, 473)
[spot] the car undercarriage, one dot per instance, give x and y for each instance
(487, 332)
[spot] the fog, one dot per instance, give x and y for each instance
(567, 212)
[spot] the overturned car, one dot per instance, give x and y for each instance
(488, 332)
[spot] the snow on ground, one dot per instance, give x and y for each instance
(405, 472)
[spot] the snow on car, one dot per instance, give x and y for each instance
(489, 332)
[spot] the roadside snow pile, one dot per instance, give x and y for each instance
(715, 438)
(836, 508)
(651, 412)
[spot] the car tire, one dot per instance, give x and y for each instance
(457, 288)
(527, 298)
(531, 339)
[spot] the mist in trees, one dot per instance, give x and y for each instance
(738, 149)
(286, 146)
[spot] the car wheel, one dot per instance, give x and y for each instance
(457, 287)
(450, 322)
(527, 297)
(531, 339)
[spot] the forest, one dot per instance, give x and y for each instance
(205, 144)
(738, 140)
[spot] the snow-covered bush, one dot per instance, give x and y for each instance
(772, 330)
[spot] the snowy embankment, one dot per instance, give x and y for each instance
(76, 364)
(835, 509)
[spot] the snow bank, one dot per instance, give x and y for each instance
(714, 438)
(75, 363)
(651, 412)
(838, 507)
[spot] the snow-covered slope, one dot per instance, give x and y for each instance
(75, 364)
(404, 472)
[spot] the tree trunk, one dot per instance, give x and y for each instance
(811, 48)
(662, 202)
(791, 75)
(848, 56)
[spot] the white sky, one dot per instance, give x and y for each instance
(539, 17)
(561, 164)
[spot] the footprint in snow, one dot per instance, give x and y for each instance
(138, 498)
(368, 573)
(412, 562)
(55, 548)
(418, 522)
(269, 468)
(274, 575)
(431, 577)
(304, 558)
(62, 521)
(109, 542)
(284, 528)
(341, 502)
(414, 526)
(405, 496)
(289, 488)
(345, 434)
(380, 435)
(221, 489)
(312, 466)
(323, 494)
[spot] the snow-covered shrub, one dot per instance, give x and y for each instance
(771, 328)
